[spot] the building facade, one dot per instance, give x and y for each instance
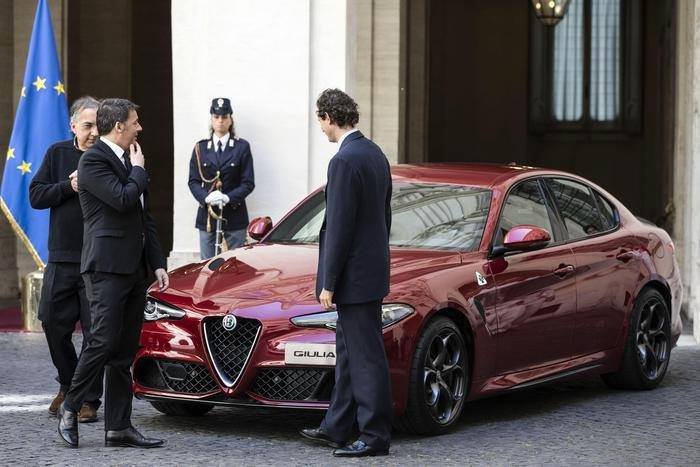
(610, 93)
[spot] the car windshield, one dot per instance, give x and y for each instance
(424, 215)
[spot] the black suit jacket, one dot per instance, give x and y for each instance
(353, 258)
(117, 230)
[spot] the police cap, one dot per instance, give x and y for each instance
(220, 106)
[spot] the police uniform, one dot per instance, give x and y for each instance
(226, 163)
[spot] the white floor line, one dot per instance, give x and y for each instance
(14, 399)
(24, 408)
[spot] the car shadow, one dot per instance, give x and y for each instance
(526, 403)
(284, 424)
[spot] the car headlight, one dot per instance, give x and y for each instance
(158, 310)
(391, 313)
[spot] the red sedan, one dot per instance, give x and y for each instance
(502, 277)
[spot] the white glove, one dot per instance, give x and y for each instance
(225, 199)
(214, 197)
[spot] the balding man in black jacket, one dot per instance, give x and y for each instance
(353, 273)
(120, 245)
(63, 302)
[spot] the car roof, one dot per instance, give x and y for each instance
(471, 174)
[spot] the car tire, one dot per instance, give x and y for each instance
(182, 409)
(438, 380)
(647, 345)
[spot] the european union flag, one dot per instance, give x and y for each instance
(41, 120)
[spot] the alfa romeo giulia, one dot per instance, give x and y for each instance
(503, 277)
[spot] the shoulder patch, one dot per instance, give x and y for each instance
(201, 144)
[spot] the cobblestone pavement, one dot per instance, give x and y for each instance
(580, 423)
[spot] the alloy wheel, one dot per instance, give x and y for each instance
(652, 339)
(445, 376)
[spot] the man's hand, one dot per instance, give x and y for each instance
(136, 156)
(74, 180)
(326, 299)
(163, 279)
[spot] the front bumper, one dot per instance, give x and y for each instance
(198, 361)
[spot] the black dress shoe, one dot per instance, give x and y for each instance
(67, 425)
(359, 449)
(130, 438)
(319, 435)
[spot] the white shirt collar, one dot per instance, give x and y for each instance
(114, 147)
(342, 138)
(224, 141)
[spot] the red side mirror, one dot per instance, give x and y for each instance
(526, 237)
(259, 227)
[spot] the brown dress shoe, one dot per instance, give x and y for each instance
(56, 403)
(88, 413)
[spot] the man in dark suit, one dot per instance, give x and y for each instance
(353, 272)
(63, 302)
(120, 243)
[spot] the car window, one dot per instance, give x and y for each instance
(577, 207)
(609, 215)
(424, 215)
(525, 205)
(438, 216)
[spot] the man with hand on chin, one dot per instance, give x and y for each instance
(120, 245)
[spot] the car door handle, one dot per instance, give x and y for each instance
(625, 255)
(564, 270)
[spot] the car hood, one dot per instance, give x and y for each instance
(279, 276)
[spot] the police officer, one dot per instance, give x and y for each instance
(221, 174)
(63, 302)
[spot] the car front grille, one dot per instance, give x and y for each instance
(230, 350)
(176, 376)
(294, 384)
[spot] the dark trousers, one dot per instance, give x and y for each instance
(63, 303)
(116, 305)
(362, 389)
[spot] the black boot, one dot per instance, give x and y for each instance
(68, 425)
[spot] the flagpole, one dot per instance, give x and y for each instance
(22, 236)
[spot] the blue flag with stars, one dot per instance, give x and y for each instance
(40, 121)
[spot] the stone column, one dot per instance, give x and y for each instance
(687, 158)
(271, 59)
(373, 57)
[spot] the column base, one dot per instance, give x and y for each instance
(180, 258)
(31, 294)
